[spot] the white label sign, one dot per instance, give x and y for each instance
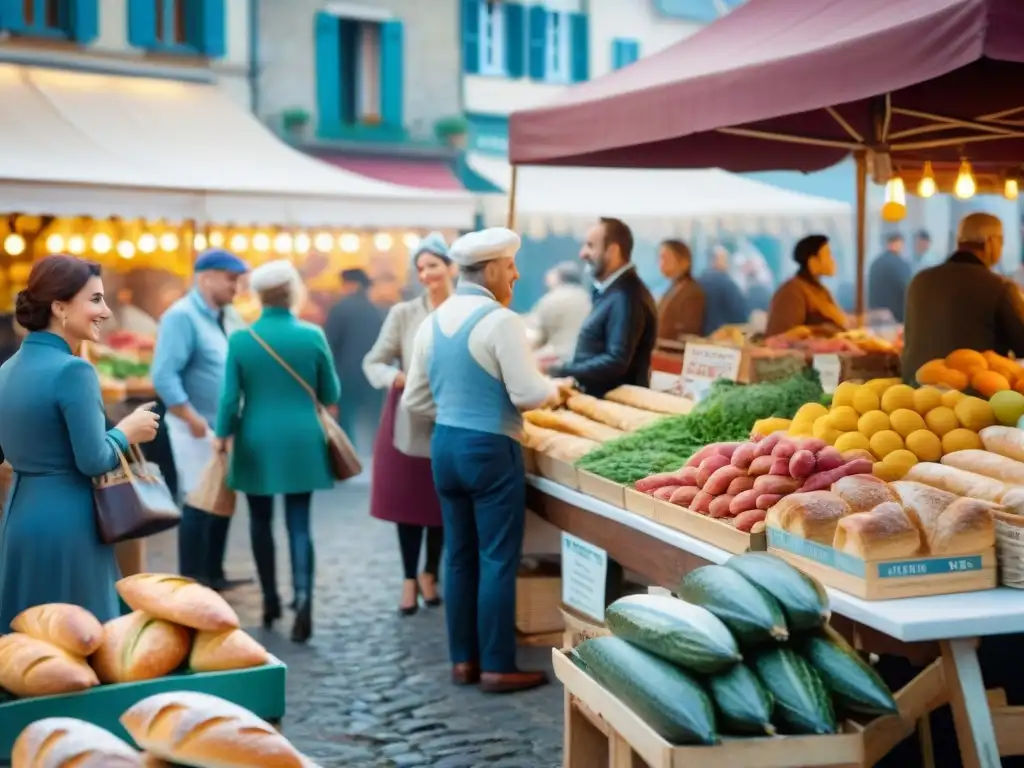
(829, 368)
(703, 364)
(584, 571)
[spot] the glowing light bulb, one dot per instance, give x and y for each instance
(76, 245)
(1011, 189)
(216, 239)
(895, 206)
(199, 242)
(102, 243)
(283, 243)
(239, 242)
(14, 244)
(410, 240)
(169, 242)
(926, 187)
(303, 243)
(965, 187)
(126, 249)
(323, 242)
(349, 243)
(147, 243)
(55, 243)
(383, 241)
(261, 242)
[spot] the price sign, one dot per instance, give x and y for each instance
(584, 573)
(829, 368)
(703, 364)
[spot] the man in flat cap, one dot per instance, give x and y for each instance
(473, 372)
(188, 369)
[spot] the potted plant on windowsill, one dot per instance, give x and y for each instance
(452, 131)
(295, 122)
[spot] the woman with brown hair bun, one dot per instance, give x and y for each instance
(803, 300)
(53, 432)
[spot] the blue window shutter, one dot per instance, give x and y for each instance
(579, 29)
(84, 24)
(392, 74)
(624, 52)
(470, 36)
(142, 23)
(212, 28)
(327, 39)
(617, 54)
(538, 36)
(12, 16)
(515, 40)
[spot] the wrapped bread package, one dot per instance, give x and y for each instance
(649, 400)
(862, 492)
(1008, 471)
(573, 424)
(140, 647)
(624, 417)
(960, 482)
(64, 742)
(221, 651)
(179, 600)
(70, 627)
(31, 667)
(1006, 441)
(813, 516)
(885, 532)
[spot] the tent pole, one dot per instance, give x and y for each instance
(861, 233)
(511, 221)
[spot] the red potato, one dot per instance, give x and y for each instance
(802, 464)
(684, 496)
(743, 502)
(780, 467)
(743, 455)
(784, 450)
(740, 484)
(827, 459)
(768, 500)
(777, 484)
(749, 519)
(665, 492)
(812, 444)
(719, 481)
(822, 481)
(709, 466)
(702, 503)
(728, 449)
(688, 476)
(766, 446)
(720, 506)
(761, 465)
(703, 453)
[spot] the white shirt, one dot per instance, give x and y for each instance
(607, 283)
(498, 344)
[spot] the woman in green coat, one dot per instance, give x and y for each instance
(268, 421)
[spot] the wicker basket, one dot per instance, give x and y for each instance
(1010, 549)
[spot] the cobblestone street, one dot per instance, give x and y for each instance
(372, 689)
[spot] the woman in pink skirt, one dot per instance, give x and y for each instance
(403, 487)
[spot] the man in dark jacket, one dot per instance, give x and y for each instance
(889, 277)
(618, 337)
(963, 304)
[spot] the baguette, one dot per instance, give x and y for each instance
(30, 667)
(221, 651)
(202, 730)
(1006, 441)
(572, 424)
(179, 600)
(64, 742)
(649, 400)
(1009, 471)
(139, 647)
(70, 627)
(957, 481)
(624, 417)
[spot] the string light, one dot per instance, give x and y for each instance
(410, 240)
(126, 249)
(965, 186)
(147, 243)
(216, 239)
(302, 243)
(102, 243)
(239, 243)
(76, 245)
(349, 243)
(282, 243)
(1011, 188)
(383, 241)
(323, 242)
(14, 244)
(169, 242)
(895, 206)
(261, 242)
(199, 242)
(926, 187)
(55, 243)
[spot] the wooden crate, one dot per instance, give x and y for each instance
(557, 470)
(600, 730)
(873, 365)
(709, 529)
(760, 364)
(579, 628)
(606, 490)
(539, 602)
(639, 503)
(886, 579)
(529, 460)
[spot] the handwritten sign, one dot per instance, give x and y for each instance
(703, 364)
(584, 573)
(829, 368)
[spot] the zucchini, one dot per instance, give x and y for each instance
(853, 683)
(803, 600)
(752, 616)
(660, 693)
(691, 636)
(744, 704)
(802, 703)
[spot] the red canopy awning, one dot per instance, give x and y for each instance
(923, 79)
(423, 174)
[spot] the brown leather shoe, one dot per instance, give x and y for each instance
(466, 673)
(510, 682)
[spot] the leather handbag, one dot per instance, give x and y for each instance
(132, 500)
(341, 455)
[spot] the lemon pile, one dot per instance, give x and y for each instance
(895, 424)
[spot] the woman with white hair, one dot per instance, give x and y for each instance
(403, 484)
(278, 370)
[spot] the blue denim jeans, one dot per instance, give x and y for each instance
(300, 544)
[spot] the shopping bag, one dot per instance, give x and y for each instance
(211, 493)
(133, 501)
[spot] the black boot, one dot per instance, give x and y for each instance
(302, 629)
(266, 567)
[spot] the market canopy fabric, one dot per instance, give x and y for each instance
(919, 79)
(656, 204)
(101, 145)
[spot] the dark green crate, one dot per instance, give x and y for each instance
(260, 690)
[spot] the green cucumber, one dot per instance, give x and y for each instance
(803, 599)
(746, 707)
(691, 636)
(752, 616)
(660, 693)
(802, 703)
(853, 683)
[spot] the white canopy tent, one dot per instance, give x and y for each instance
(84, 144)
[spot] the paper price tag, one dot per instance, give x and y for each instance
(584, 573)
(829, 368)
(703, 364)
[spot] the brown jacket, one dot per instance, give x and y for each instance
(681, 310)
(960, 305)
(803, 301)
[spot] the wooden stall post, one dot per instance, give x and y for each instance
(510, 222)
(861, 233)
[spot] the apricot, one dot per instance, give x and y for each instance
(989, 382)
(931, 373)
(966, 361)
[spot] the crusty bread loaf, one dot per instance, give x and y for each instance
(1001, 468)
(140, 647)
(812, 515)
(1006, 441)
(64, 742)
(955, 480)
(202, 730)
(967, 526)
(573, 424)
(70, 627)
(179, 600)
(862, 492)
(31, 667)
(883, 533)
(649, 400)
(624, 417)
(220, 651)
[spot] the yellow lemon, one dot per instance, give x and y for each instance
(865, 399)
(872, 422)
(904, 421)
(974, 413)
(951, 397)
(844, 418)
(941, 420)
(885, 442)
(844, 394)
(890, 473)
(901, 458)
(927, 398)
(810, 412)
(927, 446)
(899, 397)
(852, 441)
(801, 428)
(960, 440)
(879, 386)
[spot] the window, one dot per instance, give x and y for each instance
(556, 50)
(170, 22)
(492, 38)
(76, 20)
(359, 72)
(186, 27)
(624, 52)
(558, 45)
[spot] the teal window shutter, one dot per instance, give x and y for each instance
(624, 52)
(515, 40)
(579, 31)
(392, 74)
(12, 15)
(205, 27)
(141, 23)
(538, 36)
(470, 36)
(84, 21)
(327, 46)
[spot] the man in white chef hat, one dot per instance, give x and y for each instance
(473, 372)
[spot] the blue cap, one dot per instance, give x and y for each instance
(433, 243)
(218, 258)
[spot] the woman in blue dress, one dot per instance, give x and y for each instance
(53, 432)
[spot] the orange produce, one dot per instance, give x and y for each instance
(1003, 365)
(989, 382)
(966, 361)
(932, 373)
(1018, 386)
(955, 379)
